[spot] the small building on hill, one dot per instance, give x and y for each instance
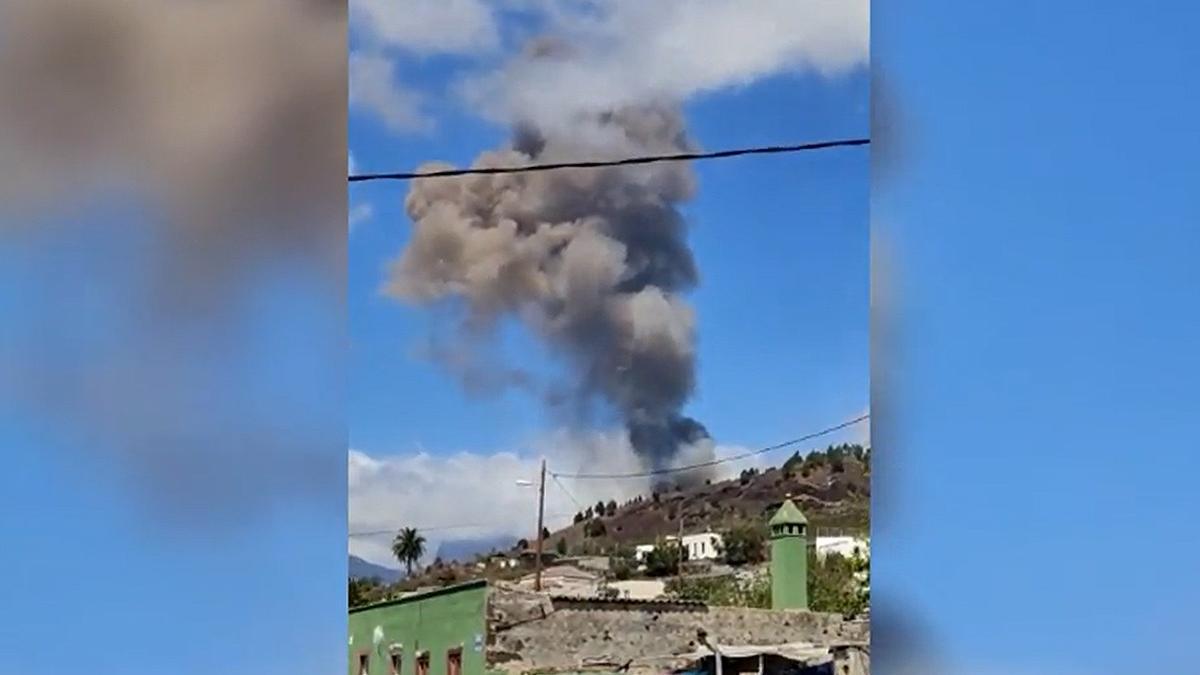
(702, 546)
(847, 547)
(699, 546)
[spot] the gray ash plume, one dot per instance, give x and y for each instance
(593, 261)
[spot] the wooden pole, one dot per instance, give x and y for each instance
(537, 579)
(679, 552)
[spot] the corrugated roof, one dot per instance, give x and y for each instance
(649, 602)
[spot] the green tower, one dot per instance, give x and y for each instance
(789, 558)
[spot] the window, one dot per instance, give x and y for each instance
(397, 660)
(423, 663)
(454, 662)
(363, 660)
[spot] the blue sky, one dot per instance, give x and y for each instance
(1042, 427)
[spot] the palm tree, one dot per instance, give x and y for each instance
(408, 547)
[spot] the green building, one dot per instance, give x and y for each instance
(789, 558)
(440, 632)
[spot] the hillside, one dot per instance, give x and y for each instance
(466, 550)
(832, 487)
(361, 569)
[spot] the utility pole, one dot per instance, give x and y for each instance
(537, 579)
(679, 551)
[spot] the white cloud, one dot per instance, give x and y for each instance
(359, 213)
(389, 492)
(428, 27)
(375, 88)
(632, 50)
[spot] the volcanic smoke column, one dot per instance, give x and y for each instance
(593, 261)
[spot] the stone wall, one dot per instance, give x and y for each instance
(572, 637)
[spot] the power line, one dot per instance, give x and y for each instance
(566, 491)
(645, 159)
(659, 472)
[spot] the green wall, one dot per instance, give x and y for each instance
(789, 568)
(436, 622)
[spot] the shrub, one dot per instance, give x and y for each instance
(665, 559)
(834, 584)
(744, 545)
(620, 568)
(595, 528)
(793, 463)
(724, 591)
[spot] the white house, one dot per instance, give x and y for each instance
(848, 547)
(641, 551)
(703, 546)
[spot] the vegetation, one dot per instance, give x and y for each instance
(365, 591)
(408, 547)
(839, 584)
(833, 456)
(737, 507)
(726, 591)
(622, 563)
(561, 547)
(665, 559)
(595, 528)
(744, 545)
(835, 584)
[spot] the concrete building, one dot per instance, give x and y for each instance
(699, 546)
(847, 547)
(641, 551)
(439, 632)
(564, 580)
(572, 635)
(702, 546)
